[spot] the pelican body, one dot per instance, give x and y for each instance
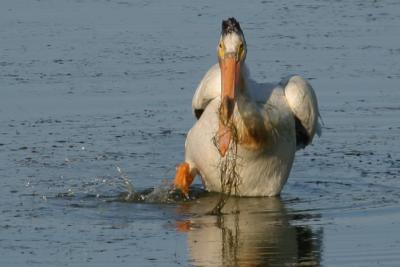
(270, 122)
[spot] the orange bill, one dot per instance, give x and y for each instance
(230, 69)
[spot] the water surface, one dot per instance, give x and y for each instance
(88, 86)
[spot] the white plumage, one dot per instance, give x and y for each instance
(263, 171)
(272, 122)
(303, 102)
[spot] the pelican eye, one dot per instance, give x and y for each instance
(241, 51)
(241, 48)
(221, 51)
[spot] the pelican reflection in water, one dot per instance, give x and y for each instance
(250, 232)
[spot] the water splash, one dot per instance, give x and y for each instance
(120, 188)
(128, 185)
(162, 193)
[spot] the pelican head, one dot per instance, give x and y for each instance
(231, 53)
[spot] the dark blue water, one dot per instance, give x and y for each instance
(90, 86)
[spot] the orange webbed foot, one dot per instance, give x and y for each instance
(183, 226)
(183, 178)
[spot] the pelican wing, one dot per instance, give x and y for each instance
(208, 89)
(304, 105)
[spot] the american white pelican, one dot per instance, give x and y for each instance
(262, 124)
